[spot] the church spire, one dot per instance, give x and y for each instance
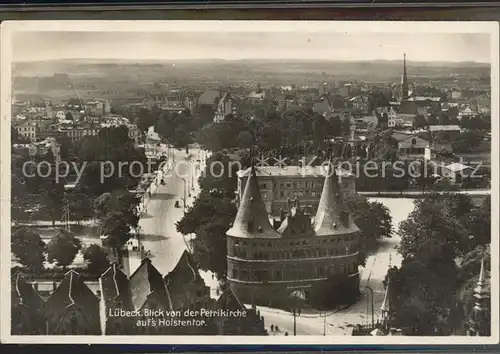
(386, 304)
(404, 81)
(479, 323)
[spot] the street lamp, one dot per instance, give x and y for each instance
(192, 175)
(296, 298)
(371, 293)
(184, 199)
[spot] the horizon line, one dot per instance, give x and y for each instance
(254, 59)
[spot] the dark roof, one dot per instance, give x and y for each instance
(145, 281)
(229, 301)
(209, 97)
(71, 292)
(185, 270)
(116, 286)
(251, 219)
(332, 217)
(297, 223)
(322, 107)
(181, 279)
(408, 107)
(23, 293)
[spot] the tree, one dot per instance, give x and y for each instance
(372, 218)
(321, 129)
(432, 220)
(335, 291)
(467, 141)
(245, 139)
(29, 248)
(421, 297)
(80, 206)
(62, 248)
(69, 116)
(114, 152)
(346, 126)
(145, 119)
(335, 126)
(220, 175)
(209, 219)
(96, 258)
(419, 122)
(478, 223)
(54, 199)
(118, 215)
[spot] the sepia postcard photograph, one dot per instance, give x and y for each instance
(249, 182)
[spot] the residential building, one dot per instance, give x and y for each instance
(28, 130)
(73, 309)
(323, 107)
(76, 133)
(279, 185)
(43, 147)
(97, 108)
(116, 295)
(456, 172)
(152, 143)
(466, 111)
(266, 264)
(361, 103)
(410, 145)
(444, 128)
(134, 133)
(225, 106)
(27, 308)
(209, 98)
(455, 94)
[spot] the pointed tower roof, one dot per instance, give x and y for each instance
(252, 220)
(404, 80)
(332, 218)
(386, 304)
(480, 292)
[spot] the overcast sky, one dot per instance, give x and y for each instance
(32, 46)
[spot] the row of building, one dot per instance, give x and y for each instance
(122, 305)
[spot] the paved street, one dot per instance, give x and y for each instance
(157, 225)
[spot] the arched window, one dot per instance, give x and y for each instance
(413, 141)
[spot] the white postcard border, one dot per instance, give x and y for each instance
(8, 27)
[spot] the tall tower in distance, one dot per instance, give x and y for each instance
(404, 81)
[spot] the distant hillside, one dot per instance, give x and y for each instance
(238, 71)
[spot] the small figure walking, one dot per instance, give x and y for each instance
(272, 328)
